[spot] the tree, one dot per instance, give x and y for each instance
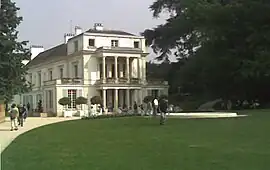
(96, 100)
(148, 99)
(80, 101)
(64, 101)
(223, 44)
(12, 53)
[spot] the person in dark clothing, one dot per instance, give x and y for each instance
(22, 112)
(163, 107)
(28, 106)
(135, 108)
(26, 112)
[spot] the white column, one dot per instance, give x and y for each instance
(143, 69)
(104, 98)
(115, 99)
(127, 69)
(138, 68)
(127, 98)
(116, 68)
(141, 96)
(104, 69)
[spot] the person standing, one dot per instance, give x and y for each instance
(155, 107)
(163, 106)
(149, 109)
(26, 113)
(13, 113)
(22, 112)
(135, 108)
(28, 107)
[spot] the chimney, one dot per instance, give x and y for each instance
(67, 36)
(35, 50)
(78, 30)
(98, 27)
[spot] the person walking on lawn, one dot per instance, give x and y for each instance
(22, 112)
(163, 106)
(13, 114)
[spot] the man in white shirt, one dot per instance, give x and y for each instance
(155, 106)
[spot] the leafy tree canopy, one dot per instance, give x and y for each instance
(12, 53)
(224, 45)
(81, 100)
(64, 101)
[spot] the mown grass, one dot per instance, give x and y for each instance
(142, 144)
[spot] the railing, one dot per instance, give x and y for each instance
(118, 81)
(157, 82)
(78, 81)
(63, 81)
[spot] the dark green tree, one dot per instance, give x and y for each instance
(223, 43)
(12, 53)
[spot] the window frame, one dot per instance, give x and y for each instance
(114, 43)
(93, 41)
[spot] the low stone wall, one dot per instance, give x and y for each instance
(2, 113)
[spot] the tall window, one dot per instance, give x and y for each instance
(72, 95)
(76, 46)
(61, 72)
(124, 70)
(75, 71)
(31, 78)
(39, 78)
(91, 42)
(113, 71)
(50, 93)
(100, 70)
(114, 43)
(136, 44)
(50, 75)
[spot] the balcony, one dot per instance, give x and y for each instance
(64, 81)
(122, 81)
(157, 82)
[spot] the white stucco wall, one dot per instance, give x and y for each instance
(105, 40)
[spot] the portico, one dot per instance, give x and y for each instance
(120, 67)
(121, 97)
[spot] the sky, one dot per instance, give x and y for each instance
(46, 21)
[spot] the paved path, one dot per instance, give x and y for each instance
(7, 136)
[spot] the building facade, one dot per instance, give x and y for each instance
(98, 62)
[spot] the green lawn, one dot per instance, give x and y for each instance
(141, 144)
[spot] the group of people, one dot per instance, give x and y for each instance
(152, 108)
(18, 115)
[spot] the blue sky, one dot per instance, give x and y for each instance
(46, 21)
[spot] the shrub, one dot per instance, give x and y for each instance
(96, 100)
(64, 101)
(161, 97)
(81, 100)
(112, 116)
(39, 106)
(148, 99)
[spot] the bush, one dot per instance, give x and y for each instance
(161, 97)
(148, 99)
(81, 100)
(112, 116)
(96, 100)
(64, 101)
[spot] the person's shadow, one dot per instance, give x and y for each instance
(4, 130)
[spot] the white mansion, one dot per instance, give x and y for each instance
(107, 63)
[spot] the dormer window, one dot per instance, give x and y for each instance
(136, 44)
(91, 42)
(114, 43)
